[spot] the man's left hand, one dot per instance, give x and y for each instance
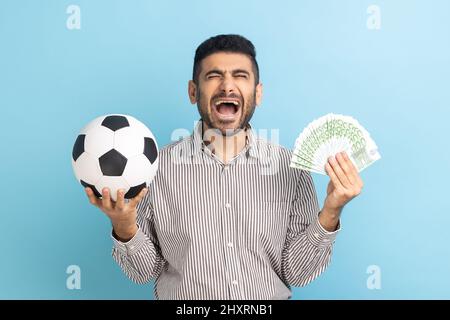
(345, 183)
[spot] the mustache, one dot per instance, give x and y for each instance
(223, 95)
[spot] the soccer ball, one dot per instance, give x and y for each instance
(115, 151)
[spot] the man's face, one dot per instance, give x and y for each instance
(226, 94)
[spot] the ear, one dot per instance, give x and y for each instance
(192, 91)
(259, 92)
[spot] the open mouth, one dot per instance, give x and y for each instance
(227, 108)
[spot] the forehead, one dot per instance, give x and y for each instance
(227, 61)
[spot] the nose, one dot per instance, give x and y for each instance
(227, 85)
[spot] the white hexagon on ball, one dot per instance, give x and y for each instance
(87, 169)
(129, 141)
(98, 141)
(93, 124)
(114, 184)
(136, 167)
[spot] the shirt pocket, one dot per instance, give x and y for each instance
(264, 230)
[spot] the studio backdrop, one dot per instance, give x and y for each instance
(385, 63)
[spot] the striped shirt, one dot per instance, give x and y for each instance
(247, 229)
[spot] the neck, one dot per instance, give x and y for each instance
(224, 147)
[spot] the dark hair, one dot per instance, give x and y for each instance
(225, 43)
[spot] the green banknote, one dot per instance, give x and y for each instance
(328, 135)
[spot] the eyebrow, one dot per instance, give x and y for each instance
(218, 71)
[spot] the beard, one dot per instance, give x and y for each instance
(248, 106)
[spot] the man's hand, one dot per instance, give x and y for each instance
(345, 184)
(123, 215)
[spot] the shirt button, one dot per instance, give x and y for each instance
(316, 235)
(227, 205)
(235, 282)
(230, 244)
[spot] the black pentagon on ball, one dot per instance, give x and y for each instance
(115, 122)
(78, 147)
(112, 163)
(134, 191)
(85, 184)
(150, 150)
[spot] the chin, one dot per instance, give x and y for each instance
(229, 129)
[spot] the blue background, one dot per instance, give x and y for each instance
(315, 57)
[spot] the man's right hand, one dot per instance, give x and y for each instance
(123, 215)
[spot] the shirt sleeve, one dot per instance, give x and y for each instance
(308, 246)
(140, 258)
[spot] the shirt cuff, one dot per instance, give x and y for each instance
(131, 246)
(320, 237)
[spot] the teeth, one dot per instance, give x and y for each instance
(223, 101)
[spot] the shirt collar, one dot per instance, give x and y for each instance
(198, 145)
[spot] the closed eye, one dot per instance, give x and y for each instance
(213, 74)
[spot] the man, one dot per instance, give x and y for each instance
(226, 217)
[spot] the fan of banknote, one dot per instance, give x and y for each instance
(329, 135)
